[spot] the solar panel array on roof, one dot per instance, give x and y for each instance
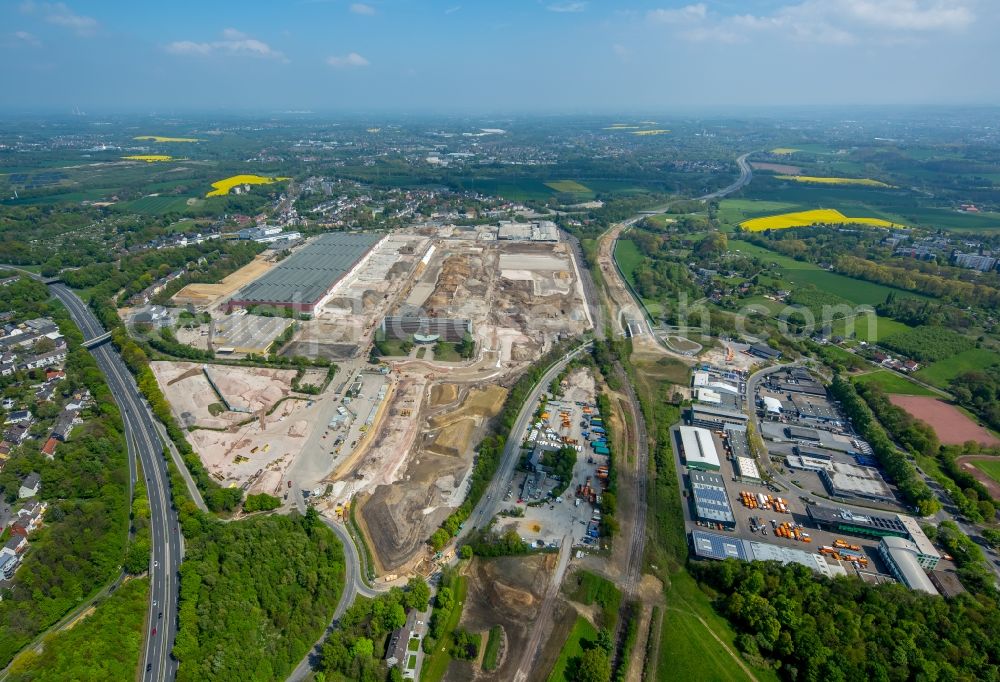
(715, 546)
(710, 500)
(307, 275)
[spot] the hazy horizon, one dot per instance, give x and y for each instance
(518, 57)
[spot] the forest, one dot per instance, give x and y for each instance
(811, 628)
(896, 464)
(255, 595)
(85, 486)
(980, 391)
(927, 344)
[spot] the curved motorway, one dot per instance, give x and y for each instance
(144, 442)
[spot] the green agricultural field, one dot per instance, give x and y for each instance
(943, 371)
(990, 467)
(735, 211)
(890, 382)
(799, 273)
(582, 631)
(569, 187)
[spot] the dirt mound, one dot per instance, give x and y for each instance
(511, 597)
(478, 404)
(454, 272)
(298, 429)
(454, 439)
(443, 394)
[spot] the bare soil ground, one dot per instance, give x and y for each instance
(207, 295)
(505, 591)
(950, 424)
(405, 508)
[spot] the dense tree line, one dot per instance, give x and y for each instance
(919, 312)
(103, 646)
(81, 545)
(979, 390)
(899, 468)
(937, 286)
(489, 543)
(912, 433)
(811, 628)
(255, 595)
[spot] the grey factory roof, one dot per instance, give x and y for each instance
(903, 554)
(710, 500)
(307, 275)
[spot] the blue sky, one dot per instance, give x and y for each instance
(513, 55)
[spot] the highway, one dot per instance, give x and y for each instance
(144, 443)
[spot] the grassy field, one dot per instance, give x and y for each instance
(688, 651)
(990, 467)
(822, 216)
(943, 371)
(796, 272)
(591, 588)
(161, 138)
(582, 631)
(492, 651)
(890, 382)
(436, 664)
(629, 257)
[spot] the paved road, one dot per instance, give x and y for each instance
(353, 586)
(489, 503)
(143, 442)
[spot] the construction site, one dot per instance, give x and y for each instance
(244, 422)
(397, 439)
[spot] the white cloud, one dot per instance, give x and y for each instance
(452, 10)
(621, 52)
(362, 8)
(350, 60)
(683, 15)
(233, 43)
(565, 7)
(830, 22)
(25, 38)
(58, 14)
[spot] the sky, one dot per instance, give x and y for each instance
(560, 56)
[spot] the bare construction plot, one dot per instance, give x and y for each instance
(402, 513)
(204, 296)
(251, 444)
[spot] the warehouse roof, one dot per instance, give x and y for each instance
(699, 449)
(710, 500)
(904, 555)
(309, 274)
(714, 546)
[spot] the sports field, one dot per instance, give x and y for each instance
(821, 216)
(951, 425)
(990, 467)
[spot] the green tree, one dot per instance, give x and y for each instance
(593, 666)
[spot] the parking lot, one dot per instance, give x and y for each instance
(549, 518)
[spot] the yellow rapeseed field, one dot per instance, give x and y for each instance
(222, 187)
(650, 132)
(149, 158)
(867, 182)
(822, 216)
(567, 186)
(160, 138)
(785, 150)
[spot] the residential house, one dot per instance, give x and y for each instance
(17, 434)
(49, 449)
(19, 417)
(8, 563)
(30, 485)
(16, 544)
